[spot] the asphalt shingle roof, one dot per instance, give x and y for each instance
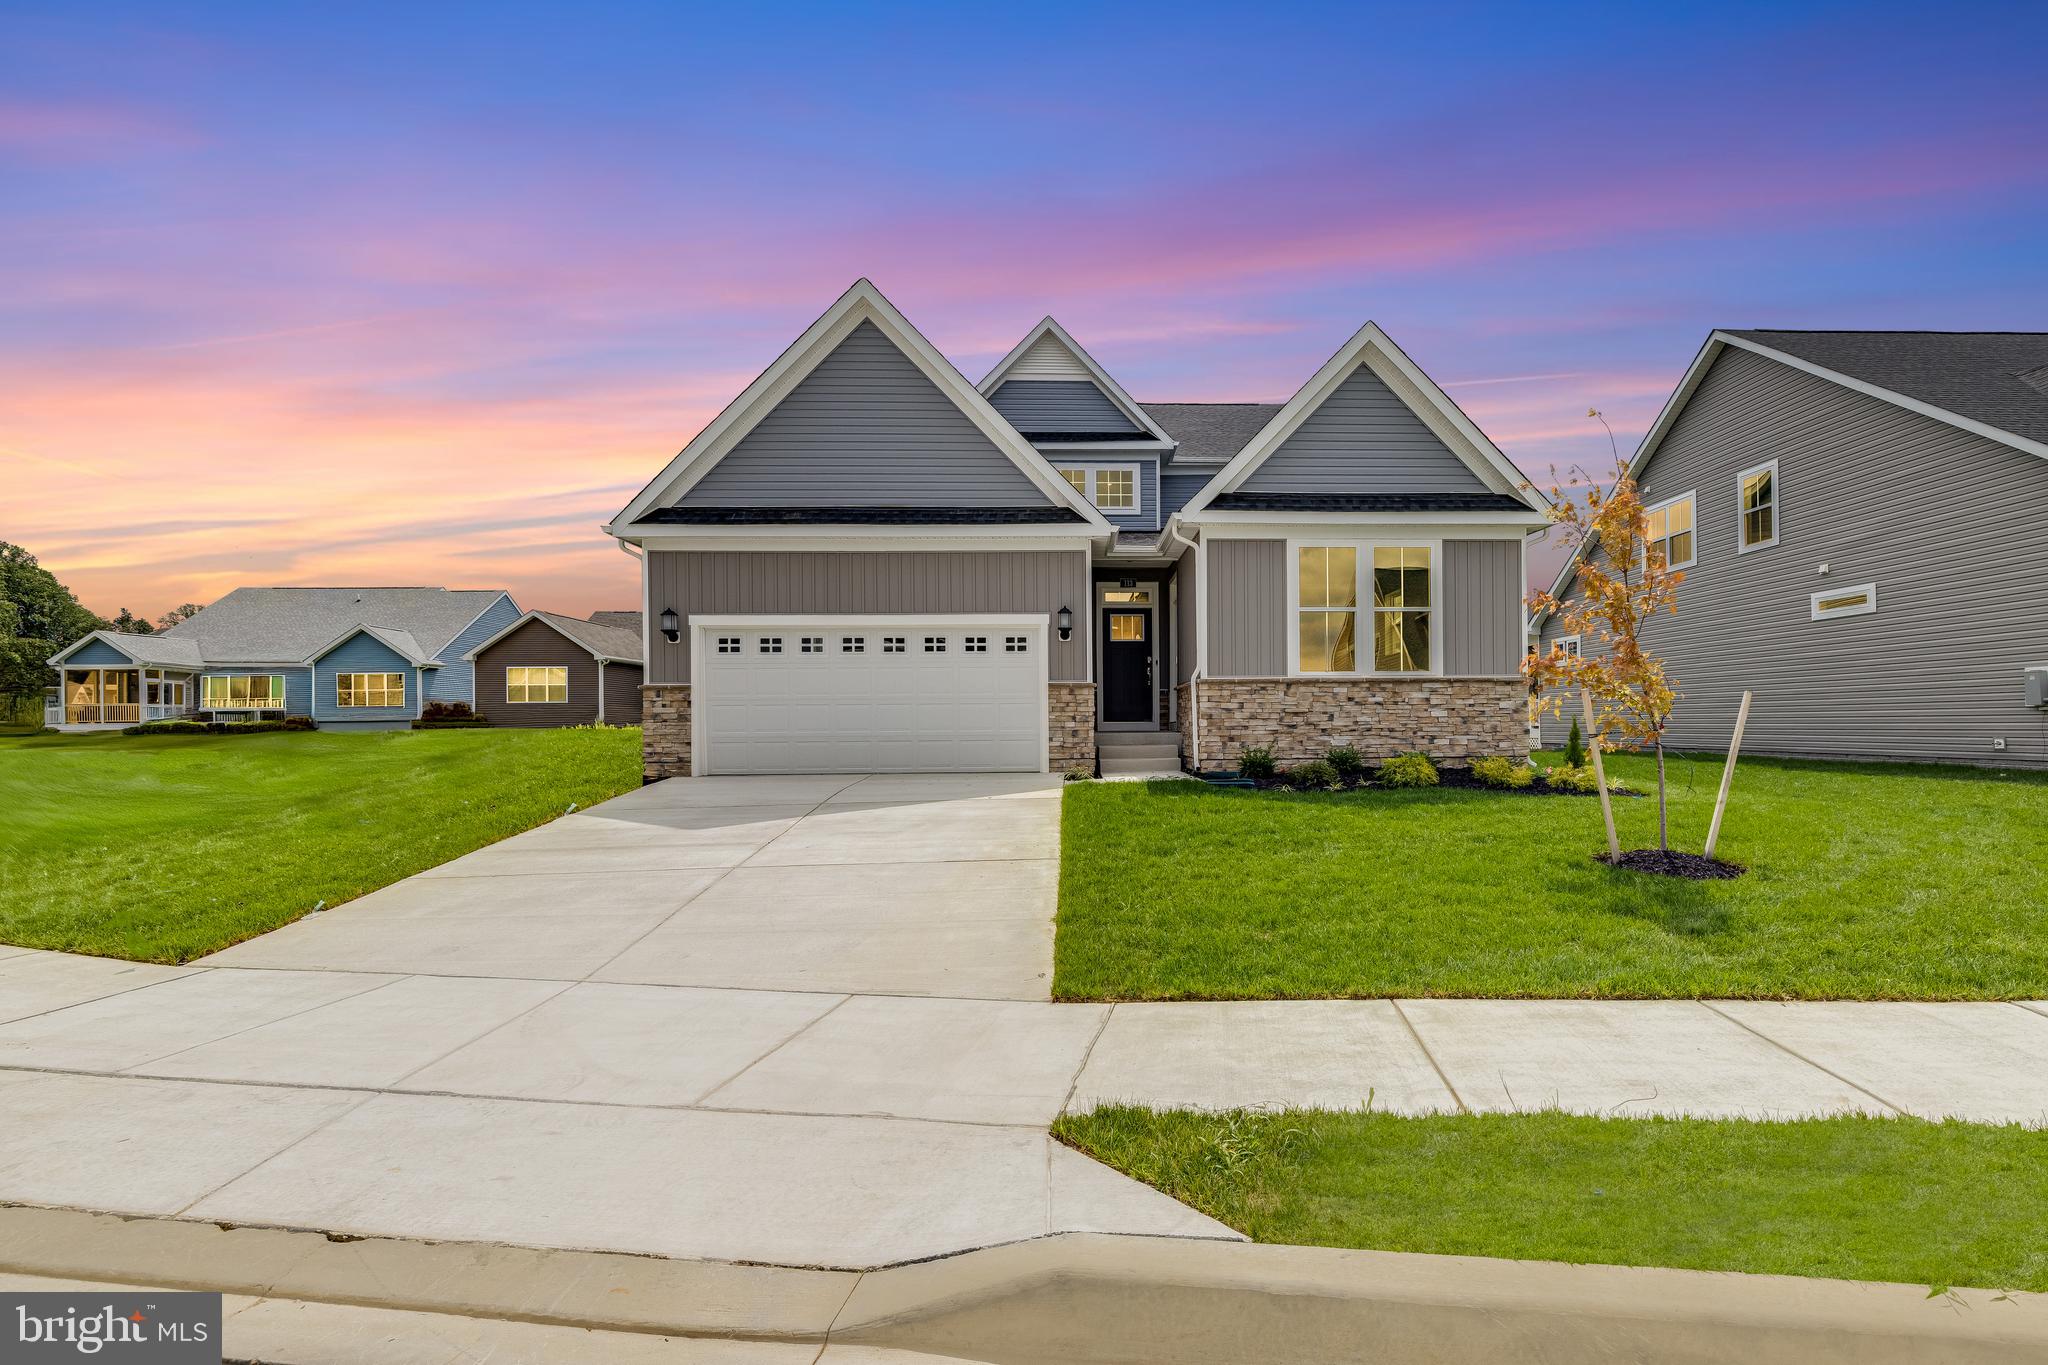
(626, 620)
(281, 625)
(613, 642)
(1368, 502)
(1211, 431)
(861, 516)
(1998, 378)
(153, 649)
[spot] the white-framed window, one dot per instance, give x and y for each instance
(243, 692)
(1756, 508)
(813, 644)
(529, 685)
(935, 644)
(853, 644)
(975, 644)
(892, 644)
(1567, 645)
(728, 644)
(1860, 600)
(1016, 644)
(771, 644)
(1383, 593)
(1673, 530)
(1111, 487)
(369, 689)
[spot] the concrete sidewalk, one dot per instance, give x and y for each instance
(804, 1021)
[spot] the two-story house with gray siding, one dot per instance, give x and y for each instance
(868, 563)
(1862, 518)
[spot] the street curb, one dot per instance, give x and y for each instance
(1079, 1298)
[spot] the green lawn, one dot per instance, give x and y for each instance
(1938, 1204)
(164, 847)
(1866, 881)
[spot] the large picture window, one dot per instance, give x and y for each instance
(536, 684)
(369, 689)
(243, 692)
(1392, 586)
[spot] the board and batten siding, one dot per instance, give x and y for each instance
(1363, 439)
(1482, 616)
(1950, 526)
(535, 645)
(1186, 642)
(867, 583)
(1247, 608)
(865, 428)
(1479, 607)
(1060, 405)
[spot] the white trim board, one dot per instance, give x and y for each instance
(1049, 326)
(1374, 349)
(861, 303)
(1363, 608)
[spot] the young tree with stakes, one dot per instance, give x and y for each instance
(1621, 584)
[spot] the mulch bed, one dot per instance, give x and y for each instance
(1669, 862)
(1460, 778)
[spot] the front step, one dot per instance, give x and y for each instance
(1119, 765)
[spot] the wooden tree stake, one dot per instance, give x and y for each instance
(1600, 777)
(1727, 775)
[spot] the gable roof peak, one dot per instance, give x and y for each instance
(1019, 364)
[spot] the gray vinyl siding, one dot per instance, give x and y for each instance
(1950, 526)
(1247, 608)
(1146, 518)
(867, 582)
(1050, 405)
(1177, 490)
(1186, 640)
(1481, 608)
(99, 654)
(1363, 439)
(865, 429)
(621, 694)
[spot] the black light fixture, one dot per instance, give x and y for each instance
(671, 628)
(1066, 623)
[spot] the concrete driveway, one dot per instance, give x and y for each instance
(930, 885)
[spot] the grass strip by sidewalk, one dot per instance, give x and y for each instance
(161, 848)
(1937, 1204)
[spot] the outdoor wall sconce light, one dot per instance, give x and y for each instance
(1066, 623)
(671, 629)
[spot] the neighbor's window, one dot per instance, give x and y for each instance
(1328, 615)
(536, 684)
(1400, 608)
(1756, 492)
(1567, 645)
(243, 692)
(369, 689)
(1671, 531)
(1860, 600)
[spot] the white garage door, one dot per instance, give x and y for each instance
(899, 697)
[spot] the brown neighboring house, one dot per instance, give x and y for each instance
(545, 670)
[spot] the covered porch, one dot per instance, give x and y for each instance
(104, 698)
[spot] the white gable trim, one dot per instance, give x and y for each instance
(110, 639)
(542, 617)
(381, 636)
(862, 303)
(1049, 326)
(1372, 348)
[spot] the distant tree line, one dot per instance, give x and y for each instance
(38, 617)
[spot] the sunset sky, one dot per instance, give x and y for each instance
(423, 293)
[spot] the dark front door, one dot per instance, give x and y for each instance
(1127, 664)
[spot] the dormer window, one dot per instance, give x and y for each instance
(1112, 488)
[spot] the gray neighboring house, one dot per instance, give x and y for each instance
(351, 658)
(867, 563)
(1863, 522)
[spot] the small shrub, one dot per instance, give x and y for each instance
(1504, 773)
(447, 710)
(1080, 772)
(1257, 763)
(1313, 776)
(1581, 781)
(1349, 763)
(248, 727)
(1575, 748)
(1408, 770)
(299, 723)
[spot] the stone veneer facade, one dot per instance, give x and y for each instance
(1070, 735)
(665, 728)
(1453, 720)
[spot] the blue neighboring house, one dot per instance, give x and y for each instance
(351, 658)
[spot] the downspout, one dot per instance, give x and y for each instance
(600, 691)
(1201, 651)
(646, 615)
